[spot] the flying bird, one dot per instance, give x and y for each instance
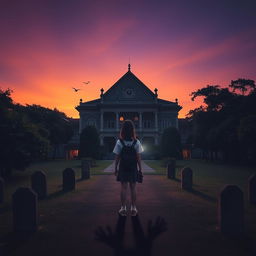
(76, 89)
(86, 82)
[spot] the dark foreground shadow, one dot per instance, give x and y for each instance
(202, 195)
(143, 242)
(12, 242)
(56, 194)
(5, 208)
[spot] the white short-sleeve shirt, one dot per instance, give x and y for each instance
(118, 147)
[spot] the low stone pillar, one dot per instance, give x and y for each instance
(186, 178)
(25, 210)
(85, 170)
(231, 210)
(69, 179)
(1, 190)
(39, 184)
(171, 172)
(252, 189)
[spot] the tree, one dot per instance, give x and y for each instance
(53, 123)
(89, 142)
(21, 141)
(243, 85)
(216, 124)
(171, 143)
(5, 99)
(215, 97)
(247, 135)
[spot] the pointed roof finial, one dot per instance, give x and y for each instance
(129, 67)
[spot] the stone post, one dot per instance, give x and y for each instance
(85, 170)
(39, 184)
(1, 190)
(25, 210)
(231, 211)
(186, 178)
(171, 170)
(252, 189)
(69, 179)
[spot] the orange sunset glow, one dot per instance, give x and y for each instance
(48, 48)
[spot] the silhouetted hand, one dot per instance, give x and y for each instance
(106, 236)
(155, 229)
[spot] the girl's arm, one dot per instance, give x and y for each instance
(117, 159)
(139, 161)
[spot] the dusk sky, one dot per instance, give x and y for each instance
(49, 46)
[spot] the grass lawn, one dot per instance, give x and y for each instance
(209, 178)
(53, 170)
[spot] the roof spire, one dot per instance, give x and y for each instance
(129, 67)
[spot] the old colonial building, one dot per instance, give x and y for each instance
(129, 98)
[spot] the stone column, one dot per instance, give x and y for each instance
(156, 121)
(80, 124)
(140, 120)
(101, 121)
(156, 139)
(117, 121)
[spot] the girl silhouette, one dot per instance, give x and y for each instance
(128, 164)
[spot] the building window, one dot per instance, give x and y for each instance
(91, 122)
(166, 123)
(147, 124)
(110, 124)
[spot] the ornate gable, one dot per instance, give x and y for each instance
(129, 89)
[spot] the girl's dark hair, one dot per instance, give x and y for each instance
(127, 131)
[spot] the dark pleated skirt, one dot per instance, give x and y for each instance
(127, 175)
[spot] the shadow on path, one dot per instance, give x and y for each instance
(57, 194)
(202, 195)
(143, 243)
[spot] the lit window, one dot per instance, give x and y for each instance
(121, 118)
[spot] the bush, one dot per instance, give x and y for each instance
(89, 143)
(171, 143)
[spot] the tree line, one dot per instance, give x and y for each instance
(225, 126)
(28, 133)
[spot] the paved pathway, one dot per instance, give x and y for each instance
(144, 166)
(70, 223)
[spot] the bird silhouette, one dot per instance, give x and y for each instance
(86, 82)
(76, 89)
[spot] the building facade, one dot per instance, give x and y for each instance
(128, 98)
